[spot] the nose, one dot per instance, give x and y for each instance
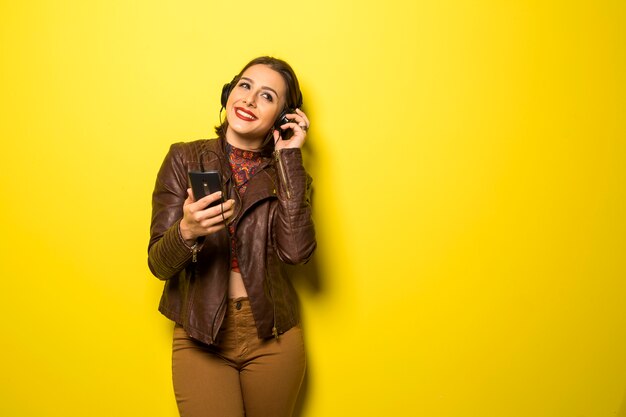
(249, 99)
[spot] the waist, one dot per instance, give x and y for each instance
(236, 287)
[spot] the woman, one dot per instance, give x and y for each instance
(238, 345)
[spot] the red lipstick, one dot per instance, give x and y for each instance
(244, 114)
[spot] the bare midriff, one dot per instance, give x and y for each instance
(236, 288)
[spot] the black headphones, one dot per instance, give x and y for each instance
(282, 117)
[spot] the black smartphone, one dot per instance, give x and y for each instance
(205, 183)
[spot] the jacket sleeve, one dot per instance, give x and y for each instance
(293, 230)
(167, 251)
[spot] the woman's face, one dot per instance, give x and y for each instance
(253, 105)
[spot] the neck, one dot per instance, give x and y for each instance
(243, 142)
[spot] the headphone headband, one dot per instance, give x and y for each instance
(228, 87)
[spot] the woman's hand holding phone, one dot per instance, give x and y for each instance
(200, 220)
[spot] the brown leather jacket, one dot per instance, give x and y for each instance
(273, 226)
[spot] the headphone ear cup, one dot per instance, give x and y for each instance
(225, 93)
(281, 120)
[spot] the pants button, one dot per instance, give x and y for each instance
(238, 305)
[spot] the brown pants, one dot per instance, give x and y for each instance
(242, 374)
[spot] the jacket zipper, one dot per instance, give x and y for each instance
(194, 253)
(271, 293)
(213, 332)
(281, 171)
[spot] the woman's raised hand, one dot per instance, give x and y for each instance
(299, 124)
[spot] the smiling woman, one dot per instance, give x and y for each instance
(238, 347)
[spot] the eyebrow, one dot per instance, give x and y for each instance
(265, 87)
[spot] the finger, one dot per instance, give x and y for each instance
(204, 202)
(297, 129)
(228, 214)
(216, 220)
(216, 211)
(189, 198)
(304, 116)
(188, 203)
(301, 121)
(296, 118)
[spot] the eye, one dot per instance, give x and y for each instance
(245, 85)
(268, 97)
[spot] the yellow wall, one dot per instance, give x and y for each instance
(469, 162)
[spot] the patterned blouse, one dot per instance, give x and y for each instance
(243, 164)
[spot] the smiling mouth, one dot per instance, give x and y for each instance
(244, 115)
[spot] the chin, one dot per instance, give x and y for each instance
(249, 131)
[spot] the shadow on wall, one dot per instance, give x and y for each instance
(309, 278)
(622, 410)
(311, 275)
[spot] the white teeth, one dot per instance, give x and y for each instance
(246, 115)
